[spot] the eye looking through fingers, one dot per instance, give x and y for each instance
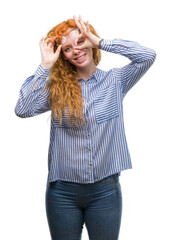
(80, 41)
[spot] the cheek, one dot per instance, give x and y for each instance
(66, 55)
(90, 53)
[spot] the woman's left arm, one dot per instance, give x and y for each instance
(141, 57)
(141, 60)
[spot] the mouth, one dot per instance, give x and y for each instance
(80, 59)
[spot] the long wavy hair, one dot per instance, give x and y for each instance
(65, 90)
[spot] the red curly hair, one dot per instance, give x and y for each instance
(65, 90)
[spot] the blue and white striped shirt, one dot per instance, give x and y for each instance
(91, 152)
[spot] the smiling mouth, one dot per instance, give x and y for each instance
(80, 58)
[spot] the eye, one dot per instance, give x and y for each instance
(80, 41)
(67, 49)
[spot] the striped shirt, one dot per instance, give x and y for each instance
(98, 148)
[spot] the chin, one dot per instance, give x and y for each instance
(83, 65)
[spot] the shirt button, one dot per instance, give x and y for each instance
(89, 149)
(91, 76)
(40, 72)
(86, 121)
(85, 83)
(88, 135)
(85, 97)
(91, 164)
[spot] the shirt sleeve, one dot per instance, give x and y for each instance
(33, 98)
(141, 60)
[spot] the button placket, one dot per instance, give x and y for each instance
(87, 134)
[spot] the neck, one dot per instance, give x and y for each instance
(85, 73)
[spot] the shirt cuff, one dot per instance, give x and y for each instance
(42, 72)
(106, 43)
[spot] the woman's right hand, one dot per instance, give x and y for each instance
(47, 53)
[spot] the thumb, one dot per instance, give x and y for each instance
(82, 46)
(58, 50)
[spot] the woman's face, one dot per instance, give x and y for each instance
(80, 58)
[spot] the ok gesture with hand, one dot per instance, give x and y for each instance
(90, 40)
(47, 53)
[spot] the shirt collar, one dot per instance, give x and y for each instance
(98, 75)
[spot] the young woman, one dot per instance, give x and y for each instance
(88, 147)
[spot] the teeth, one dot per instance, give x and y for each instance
(80, 58)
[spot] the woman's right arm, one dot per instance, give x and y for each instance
(33, 97)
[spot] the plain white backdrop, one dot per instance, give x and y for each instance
(24, 142)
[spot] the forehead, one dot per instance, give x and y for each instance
(70, 36)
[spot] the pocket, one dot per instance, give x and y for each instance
(54, 183)
(106, 104)
(106, 180)
(116, 183)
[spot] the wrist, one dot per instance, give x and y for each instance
(45, 66)
(97, 42)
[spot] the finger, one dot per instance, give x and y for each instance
(48, 40)
(52, 41)
(87, 26)
(82, 23)
(45, 44)
(50, 44)
(77, 22)
(41, 43)
(41, 40)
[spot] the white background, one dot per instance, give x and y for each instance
(24, 142)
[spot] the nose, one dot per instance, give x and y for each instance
(76, 51)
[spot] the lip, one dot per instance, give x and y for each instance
(81, 60)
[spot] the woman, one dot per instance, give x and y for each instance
(88, 147)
